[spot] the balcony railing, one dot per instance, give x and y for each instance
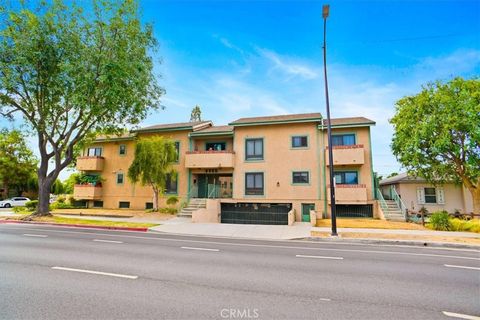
(87, 192)
(349, 193)
(90, 163)
(210, 159)
(347, 155)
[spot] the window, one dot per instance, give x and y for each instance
(346, 177)
(177, 147)
(215, 146)
(120, 178)
(122, 149)
(254, 183)
(254, 149)
(430, 195)
(98, 204)
(171, 184)
(299, 142)
(124, 204)
(148, 205)
(343, 140)
(300, 177)
(94, 152)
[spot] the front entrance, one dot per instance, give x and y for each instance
(213, 185)
(306, 207)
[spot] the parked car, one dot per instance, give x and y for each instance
(14, 202)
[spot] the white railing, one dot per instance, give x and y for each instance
(399, 202)
(382, 201)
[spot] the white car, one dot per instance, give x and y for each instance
(14, 202)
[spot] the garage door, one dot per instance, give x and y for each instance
(354, 211)
(255, 213)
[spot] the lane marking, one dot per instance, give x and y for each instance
(460, 316)
(318, 257)
(118, 275)
(325, 299)
(461, 267)
(200, 249)
(256, 245)
(108, 241)
(35, 235)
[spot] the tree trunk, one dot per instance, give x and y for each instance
(44, 186)
(155, 199)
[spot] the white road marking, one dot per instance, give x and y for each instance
(201, 249)
(35, 235)
(252, 245)
(96, 272)
(318, 257)
(460, 316)
(461, 267)
(325, 299)
(109, 241)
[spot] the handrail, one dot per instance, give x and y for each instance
(400, 204)
(212, 192)
(383, 203)
(190, 192)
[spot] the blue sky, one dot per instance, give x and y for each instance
(252, 58)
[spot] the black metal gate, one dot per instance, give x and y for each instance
(354, 211)
(255, 213)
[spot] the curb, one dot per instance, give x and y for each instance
(413, 243)
(76, 225)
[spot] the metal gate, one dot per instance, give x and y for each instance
(255, 213)
(354, 211)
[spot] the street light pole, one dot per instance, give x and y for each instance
(333, 214)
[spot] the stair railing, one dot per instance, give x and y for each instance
(399, 202)
(383, 203)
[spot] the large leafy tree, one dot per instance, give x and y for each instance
(152, 164)
(196, 114)
(70, 73)
(17, 162)
(437, 134)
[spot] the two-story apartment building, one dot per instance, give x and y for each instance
(258, 168)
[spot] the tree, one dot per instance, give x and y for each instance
(437, 134)
(196, 114)
(70, 182)
(393, 174)
(17, 162)
(152, 164)
(57, 187)
(70, 73)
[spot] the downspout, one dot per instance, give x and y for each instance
(324, 174)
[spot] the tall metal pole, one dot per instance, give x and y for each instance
(333, 214)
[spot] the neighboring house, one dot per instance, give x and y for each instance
(416, 193)
(258, 169)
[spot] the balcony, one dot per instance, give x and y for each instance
(347, 155)
(349, 194)
(90, 163)
(210, 159)
(87, 192)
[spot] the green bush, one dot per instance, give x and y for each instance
(168, 210)
(172, 200)
(20, 210)
(61, 205)
(61, 199)
(71, 200)
(440, 221)
(31, 205)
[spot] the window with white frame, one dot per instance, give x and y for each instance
(430, 195)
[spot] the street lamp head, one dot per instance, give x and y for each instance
(326, 10)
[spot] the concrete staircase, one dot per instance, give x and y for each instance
(393, 212)
(193, 204)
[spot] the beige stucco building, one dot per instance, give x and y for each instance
(256, 169)
(416, 193)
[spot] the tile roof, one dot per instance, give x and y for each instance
(281, 118)
(175, 126)
(402, 177)
(349, 121)
(123, 136)
(214, 129)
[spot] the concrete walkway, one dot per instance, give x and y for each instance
(251, 231)
(123, 219)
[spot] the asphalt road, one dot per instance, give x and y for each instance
(64, 273)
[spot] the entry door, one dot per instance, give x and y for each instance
(202, 186)
(306, 207)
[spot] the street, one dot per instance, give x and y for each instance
(68, 273)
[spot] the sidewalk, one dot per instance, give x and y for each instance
(452, 234)
(251, 231)
(123, 219)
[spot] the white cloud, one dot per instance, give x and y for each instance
(288, 66)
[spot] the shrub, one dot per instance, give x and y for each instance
(71, 200)
(168, 210)
(172, 200)
(440, 221)
(31, 205)
(465, 225)
(61, 199)
(20, 210)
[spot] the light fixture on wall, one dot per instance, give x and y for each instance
(278, 184)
